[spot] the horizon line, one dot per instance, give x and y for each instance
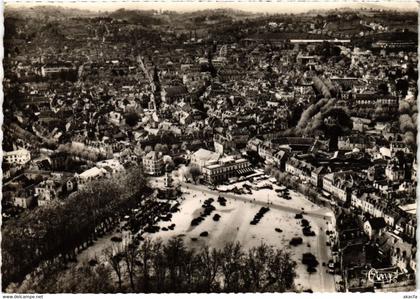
(270, 7)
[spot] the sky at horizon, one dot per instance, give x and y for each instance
(296, 6)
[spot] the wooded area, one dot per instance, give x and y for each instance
(156, 267)
(60, 230)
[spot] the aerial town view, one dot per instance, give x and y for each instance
(209, 150)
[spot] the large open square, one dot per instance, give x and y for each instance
(234, 226)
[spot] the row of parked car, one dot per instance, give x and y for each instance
(259, 215)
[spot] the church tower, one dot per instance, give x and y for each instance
(168, 183)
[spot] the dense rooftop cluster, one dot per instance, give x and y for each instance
(89, 97)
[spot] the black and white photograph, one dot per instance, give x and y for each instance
(209, 147)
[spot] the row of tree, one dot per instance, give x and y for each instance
(61, 229)
(82, 152)
(321, 87)
(290, 182)
(156, 267)
(408, 119)
(323, 118)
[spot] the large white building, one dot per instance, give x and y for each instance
(226, 168)
(112, 166)
(56, 68)
(338, 184)
(18, 157)
(153, 163)
(103, 169)
(90, 175)
(203, 157)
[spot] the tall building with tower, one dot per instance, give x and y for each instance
(168, 180)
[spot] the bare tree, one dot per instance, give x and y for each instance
(231, 265)
(256, 264)
(114, 257)
(209, 264)
(188, 271)
(174, 252)
(280, 272)
(130, 256)
(146, 252)
(159, 265)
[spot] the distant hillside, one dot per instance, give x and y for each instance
(387, 36)
(46, 12)
(357, 7)
(287, 36)
(393, 36)
(142, 17)
(220, 12)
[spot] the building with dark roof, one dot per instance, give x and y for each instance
(374, 227)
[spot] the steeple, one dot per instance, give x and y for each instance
(152, 102)
(156, 79)
(168, 177)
